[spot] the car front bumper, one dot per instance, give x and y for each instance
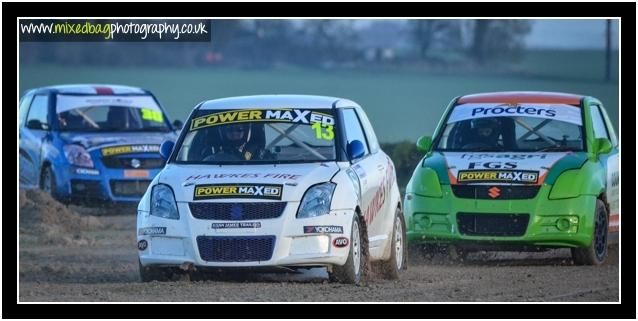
(181, 240)
(551, 223)
(88, 186)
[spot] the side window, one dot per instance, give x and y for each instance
(610, 127)
(353, 128)
(39, 110)
(23, 109)
(597, 121)
(367, 126)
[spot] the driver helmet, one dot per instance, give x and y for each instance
(485, 127)
(235, 135)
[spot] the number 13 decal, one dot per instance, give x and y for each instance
(323, 131)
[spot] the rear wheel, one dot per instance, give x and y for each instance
(596, 253)
(352, 271)
(399, 256)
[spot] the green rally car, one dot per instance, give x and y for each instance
(519, 171)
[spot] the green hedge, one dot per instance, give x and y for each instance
(405, 157)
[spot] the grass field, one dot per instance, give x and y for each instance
(401, 104)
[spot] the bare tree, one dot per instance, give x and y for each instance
(500, 39)
(431, 32)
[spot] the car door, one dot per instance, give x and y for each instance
(604, 129)
(32, 134)
(368, 171)
(25, 165)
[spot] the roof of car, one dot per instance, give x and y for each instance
(278, 101)
(515, 97)
(95, 89)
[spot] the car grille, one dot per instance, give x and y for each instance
(236, 211)
(479, 224)
(125, 162)
(496, 192)
(80, 187)
(129, 188)
(236, 248)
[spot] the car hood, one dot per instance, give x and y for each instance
(507, 168)
(285, 182)
(93, 141)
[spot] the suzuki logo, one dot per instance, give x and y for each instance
(236, 212)
(494, 192)
(135, 163)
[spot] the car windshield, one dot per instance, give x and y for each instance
(109, 113)
(523, 128)
(259, 136)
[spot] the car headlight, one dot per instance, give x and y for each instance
(77, 155)
(316, 201)
(163, 202)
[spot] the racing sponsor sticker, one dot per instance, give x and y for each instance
(130, 149)
(323, 229)
(504, 176)
(340, 242)
(561, 112)
(289, 115)
(197, 177)
(155, 230)
(261, 191)
(69, 102)
(87, 171)
(236, 225)
(136, 173)
(525, 162)
(142, 245)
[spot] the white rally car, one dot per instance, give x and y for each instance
(273, 181)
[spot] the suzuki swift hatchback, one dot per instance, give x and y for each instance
(273, 181)
(518, 170)
(91, 143)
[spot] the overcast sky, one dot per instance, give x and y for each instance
(571, 34)
(545, 34)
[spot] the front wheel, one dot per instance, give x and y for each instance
(48, 184)
(596, 252)
(352, 272)
(399, 257)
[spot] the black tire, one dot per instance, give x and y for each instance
(47, 181)
(47, 184)
(391, 268)
(596, 253)
(152, 273)
(351, 272)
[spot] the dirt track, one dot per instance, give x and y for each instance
(99, 263)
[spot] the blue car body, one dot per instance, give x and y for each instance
(122, 162)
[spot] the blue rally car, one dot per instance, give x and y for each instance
(91, 143)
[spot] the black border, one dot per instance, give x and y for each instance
(628, 26)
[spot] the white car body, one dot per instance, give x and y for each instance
(366, 187)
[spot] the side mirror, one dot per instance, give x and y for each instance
(166, 148)
(602, 146)
(356, 149)
(178, 124)
(424, 143)
(35, 124)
